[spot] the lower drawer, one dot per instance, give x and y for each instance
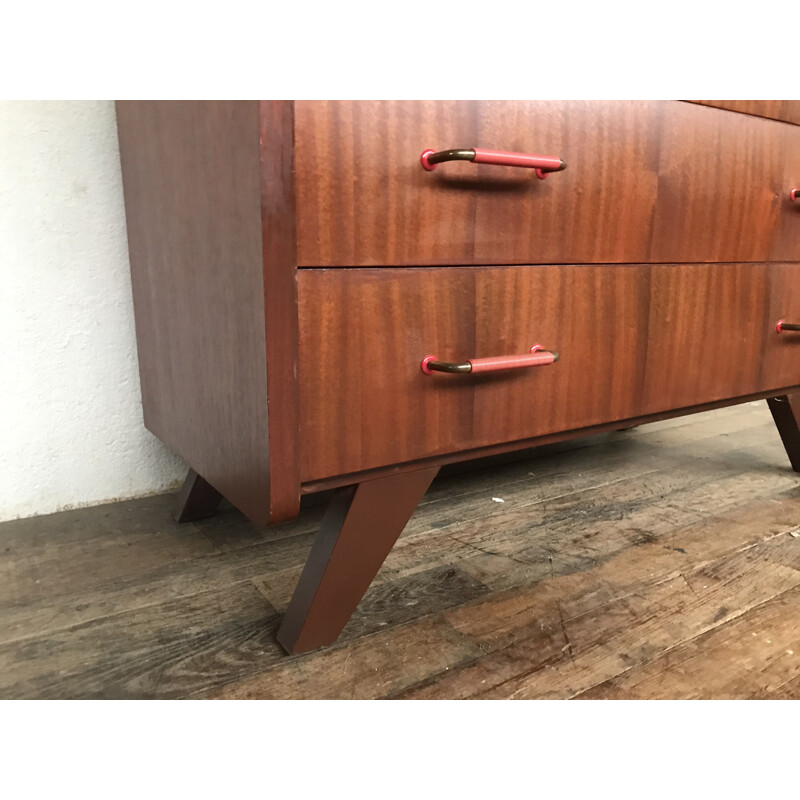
(632, 340)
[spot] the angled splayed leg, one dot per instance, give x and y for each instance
(196, 499)
(358, 531)
(786, 413)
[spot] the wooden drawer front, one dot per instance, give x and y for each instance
(645, 182)
(781, 364)
(633, 340)
(786, 244)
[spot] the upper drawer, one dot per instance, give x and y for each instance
(654, 181)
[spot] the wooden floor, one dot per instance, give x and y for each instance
(661, 562)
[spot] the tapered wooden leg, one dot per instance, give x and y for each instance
(358, 531)
(196, 499)
(786, 413)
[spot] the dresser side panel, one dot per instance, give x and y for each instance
(191, 177)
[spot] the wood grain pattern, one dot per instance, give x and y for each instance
(756, 656)
(786, 243)
(381, 665)
(595, 519)
(216, 633)
(785, 110)
(617, 515)
(633, 341)
(781, 351)
(719, 186)
(640, 627)
(538, 634)
(706, 334)
(646, 609)
(507, 450)
(646, 182)
(200, 197)
(401, 599)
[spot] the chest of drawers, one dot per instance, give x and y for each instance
(302, 277)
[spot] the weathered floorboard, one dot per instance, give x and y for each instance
(756, 655)
(374, 666)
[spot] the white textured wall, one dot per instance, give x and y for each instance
(71, 429)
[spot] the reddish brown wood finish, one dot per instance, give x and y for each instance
(197, 499)
(781, 358)
(785, 110)
(786, 413)
(502, 450)
(706, 334)
(633, 341)
(786, 240)
(213, 307)
(280, 304)
(786, 244)
(360, 528)
(646, 182)
(719, 185)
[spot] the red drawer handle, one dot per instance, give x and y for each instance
(542, 164)
(537, 357)
(786, 326)
(793, 194)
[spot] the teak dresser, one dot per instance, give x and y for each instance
(329, 295)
